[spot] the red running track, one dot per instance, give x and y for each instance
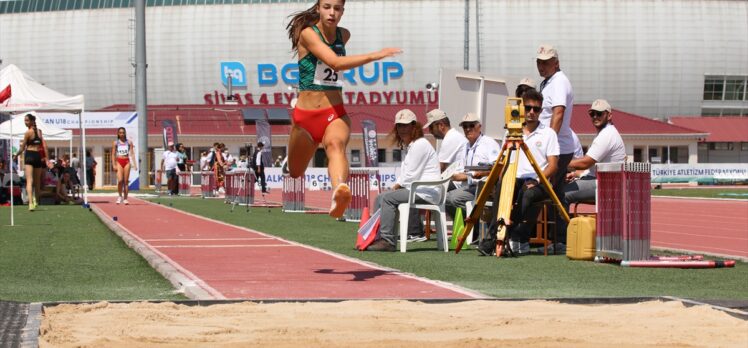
(701, 225)
(238, 263)
(689, 224)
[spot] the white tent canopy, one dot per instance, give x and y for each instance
(49, 132)
(28, 95)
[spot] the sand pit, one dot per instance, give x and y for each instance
(391, 324)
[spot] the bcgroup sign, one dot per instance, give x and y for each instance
(268, 75)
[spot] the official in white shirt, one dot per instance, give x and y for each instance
(453, 147)
(169, 166)
(420, 164)
(481, 151)
(607, 147)
(543, 145)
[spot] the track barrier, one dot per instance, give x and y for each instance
(207, 184)
(240, 187)
(623, 211)
(293, 194)
(185, 183)
(360, 184)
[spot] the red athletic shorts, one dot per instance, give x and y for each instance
(315, 121)
(123, 161)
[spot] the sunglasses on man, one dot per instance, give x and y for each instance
(529, 108)
(595, 113)
(468, 126)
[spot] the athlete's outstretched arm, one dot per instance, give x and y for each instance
(312, 42)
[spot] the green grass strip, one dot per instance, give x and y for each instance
(65, 253)
(528, 276)
(732, 193)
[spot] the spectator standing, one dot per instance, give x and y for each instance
(258, 166)
(169, 166)
(90, 170)
(75, 164)
(181, 157)
(420, 164)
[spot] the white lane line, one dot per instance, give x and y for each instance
(227, 246)
(204, 239)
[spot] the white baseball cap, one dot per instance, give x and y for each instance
(469, 118)
(600, 105)
(405, 116)
(433, 116)
(546, 52)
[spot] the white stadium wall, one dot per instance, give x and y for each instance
(646, 57)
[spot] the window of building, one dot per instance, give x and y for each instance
(382, 155)
(397, 155)
(713, 88)
(721, 146)
(356, 156)
(743, 146)
(735, 89)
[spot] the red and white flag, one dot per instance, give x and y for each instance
(5, 94)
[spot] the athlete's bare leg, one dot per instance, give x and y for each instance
(125, 180)
(301, 148)
(335, 142)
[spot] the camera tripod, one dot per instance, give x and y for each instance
(508, 176)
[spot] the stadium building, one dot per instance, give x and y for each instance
(649, 59)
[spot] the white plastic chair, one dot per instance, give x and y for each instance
(438, 208)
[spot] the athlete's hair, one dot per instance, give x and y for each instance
(300, 21)
(125, 130)
(32, 118)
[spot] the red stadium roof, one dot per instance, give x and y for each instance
(726, 128)
(626, 123)
(228, 120)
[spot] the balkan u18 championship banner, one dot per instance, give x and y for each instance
(169, 132)
(370, 143)
(102, 120)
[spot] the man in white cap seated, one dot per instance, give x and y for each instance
(453, 147)
(482, 151)
(607, 147)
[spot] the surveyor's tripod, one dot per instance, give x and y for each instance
(508, 176)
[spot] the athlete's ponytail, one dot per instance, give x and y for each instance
(299, 21)
(32, 118)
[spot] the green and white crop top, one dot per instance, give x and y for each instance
(314, 74)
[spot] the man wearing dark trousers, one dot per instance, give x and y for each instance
(259, 167)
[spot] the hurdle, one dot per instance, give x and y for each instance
(185, 183)
(293, 194)
(240, 187)
(623, 212)
(207, 184)
(359, 180)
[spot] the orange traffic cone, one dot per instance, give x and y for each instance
(364, 218)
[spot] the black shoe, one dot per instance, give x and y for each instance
(487, 247)
(381, 245)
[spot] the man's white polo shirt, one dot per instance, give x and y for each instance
(453, 148)
(542, 143)
(558, 92)
(484, 150)
(607, 147)
(170, 159)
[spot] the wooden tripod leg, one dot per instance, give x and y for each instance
(480, 202)
(427, 228)
(544, 181)
(506, 199)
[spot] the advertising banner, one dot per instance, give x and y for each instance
(263, 136)
(703, 173)
(169, 132)
(370, 143)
